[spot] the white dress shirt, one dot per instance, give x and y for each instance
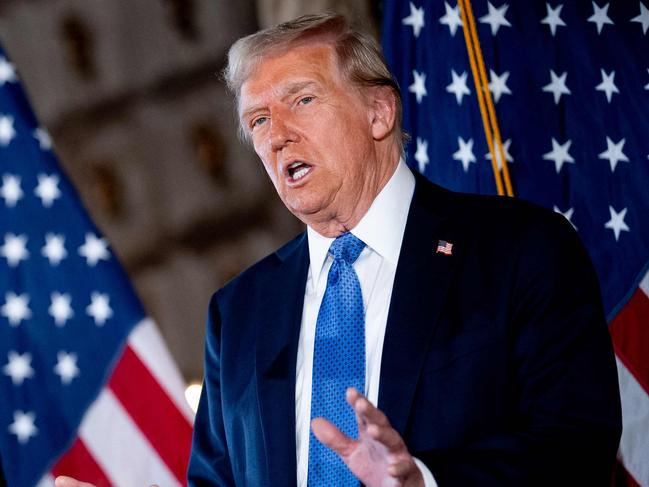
(381, 228)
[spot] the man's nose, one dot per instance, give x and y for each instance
(281, 132)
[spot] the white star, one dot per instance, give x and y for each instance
(419, 85)
(15, 308)
(60, 308)
(614, 153)
(19, 367)
(7, 131)
(7, 71)
(496, 17)
(94, 249)
(557, 86)
(14, 249)
(464, 153)
(643, 18)
(567, 215)
(600, 17)
(458, 87)
(421, 156)
(48, 189)
(608, 85)
(415, 19)
(66, 367)
(99, 308)
(11, 190)
(23, 426)
(559, 154)
(616, 223)
(498, 84)
(451, 18)
(508, 156)
(54, 248)
(43, 137)
(553, 18)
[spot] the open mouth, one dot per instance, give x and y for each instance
(297, 170)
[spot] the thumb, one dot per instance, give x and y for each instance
(329, 435)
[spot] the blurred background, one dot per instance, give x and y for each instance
(130, 94)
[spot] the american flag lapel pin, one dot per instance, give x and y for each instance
(444, 247)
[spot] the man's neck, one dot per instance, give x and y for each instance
(333, 225)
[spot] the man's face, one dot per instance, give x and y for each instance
(312, 130)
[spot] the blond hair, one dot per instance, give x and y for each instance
(359, 56)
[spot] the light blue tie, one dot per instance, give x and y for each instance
(338, 360)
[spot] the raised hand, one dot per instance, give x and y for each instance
(379, 458)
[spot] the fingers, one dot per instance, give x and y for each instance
(63, 481)
(374, 422)
(387, 436)
(402, 468)
(364, 409)
(329, 435)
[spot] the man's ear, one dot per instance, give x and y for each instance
(383, 111)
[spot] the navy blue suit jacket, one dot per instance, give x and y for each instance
(497, 366)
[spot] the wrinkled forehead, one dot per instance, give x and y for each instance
(276, 49)
(280, 72)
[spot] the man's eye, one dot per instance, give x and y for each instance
(306, 100)
(258, 121)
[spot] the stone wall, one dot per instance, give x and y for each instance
(129, 91)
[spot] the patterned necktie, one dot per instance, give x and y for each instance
(338, 360)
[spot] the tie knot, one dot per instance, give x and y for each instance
(347, 247)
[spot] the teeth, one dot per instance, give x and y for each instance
(300, 173)
(294, 165)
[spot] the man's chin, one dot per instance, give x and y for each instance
(305, 212)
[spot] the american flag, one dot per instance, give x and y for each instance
(570, 84)
(88, 387)
(444, 247)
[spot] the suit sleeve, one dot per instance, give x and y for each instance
(566, 420)
(209, 463)
(3, 481)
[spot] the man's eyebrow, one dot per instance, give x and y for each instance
(297, 87)
(286, 91)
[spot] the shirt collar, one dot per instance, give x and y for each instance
(381, 228)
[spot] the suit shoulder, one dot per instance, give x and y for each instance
(250, 278)
(497, 218)
(498, 210)
(487, 213)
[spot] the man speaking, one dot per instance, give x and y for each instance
(411, 336)
(473, 323)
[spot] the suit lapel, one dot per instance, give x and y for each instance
(420, 285)
(276, 355)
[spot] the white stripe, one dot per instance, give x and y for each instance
(644, 284)
(119, 448)
(46, 481)
(147, 343)
(634, 445)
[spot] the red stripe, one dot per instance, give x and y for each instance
(79, 463)
(167, 429)
(630, 333)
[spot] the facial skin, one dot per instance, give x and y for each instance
(299, 108)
